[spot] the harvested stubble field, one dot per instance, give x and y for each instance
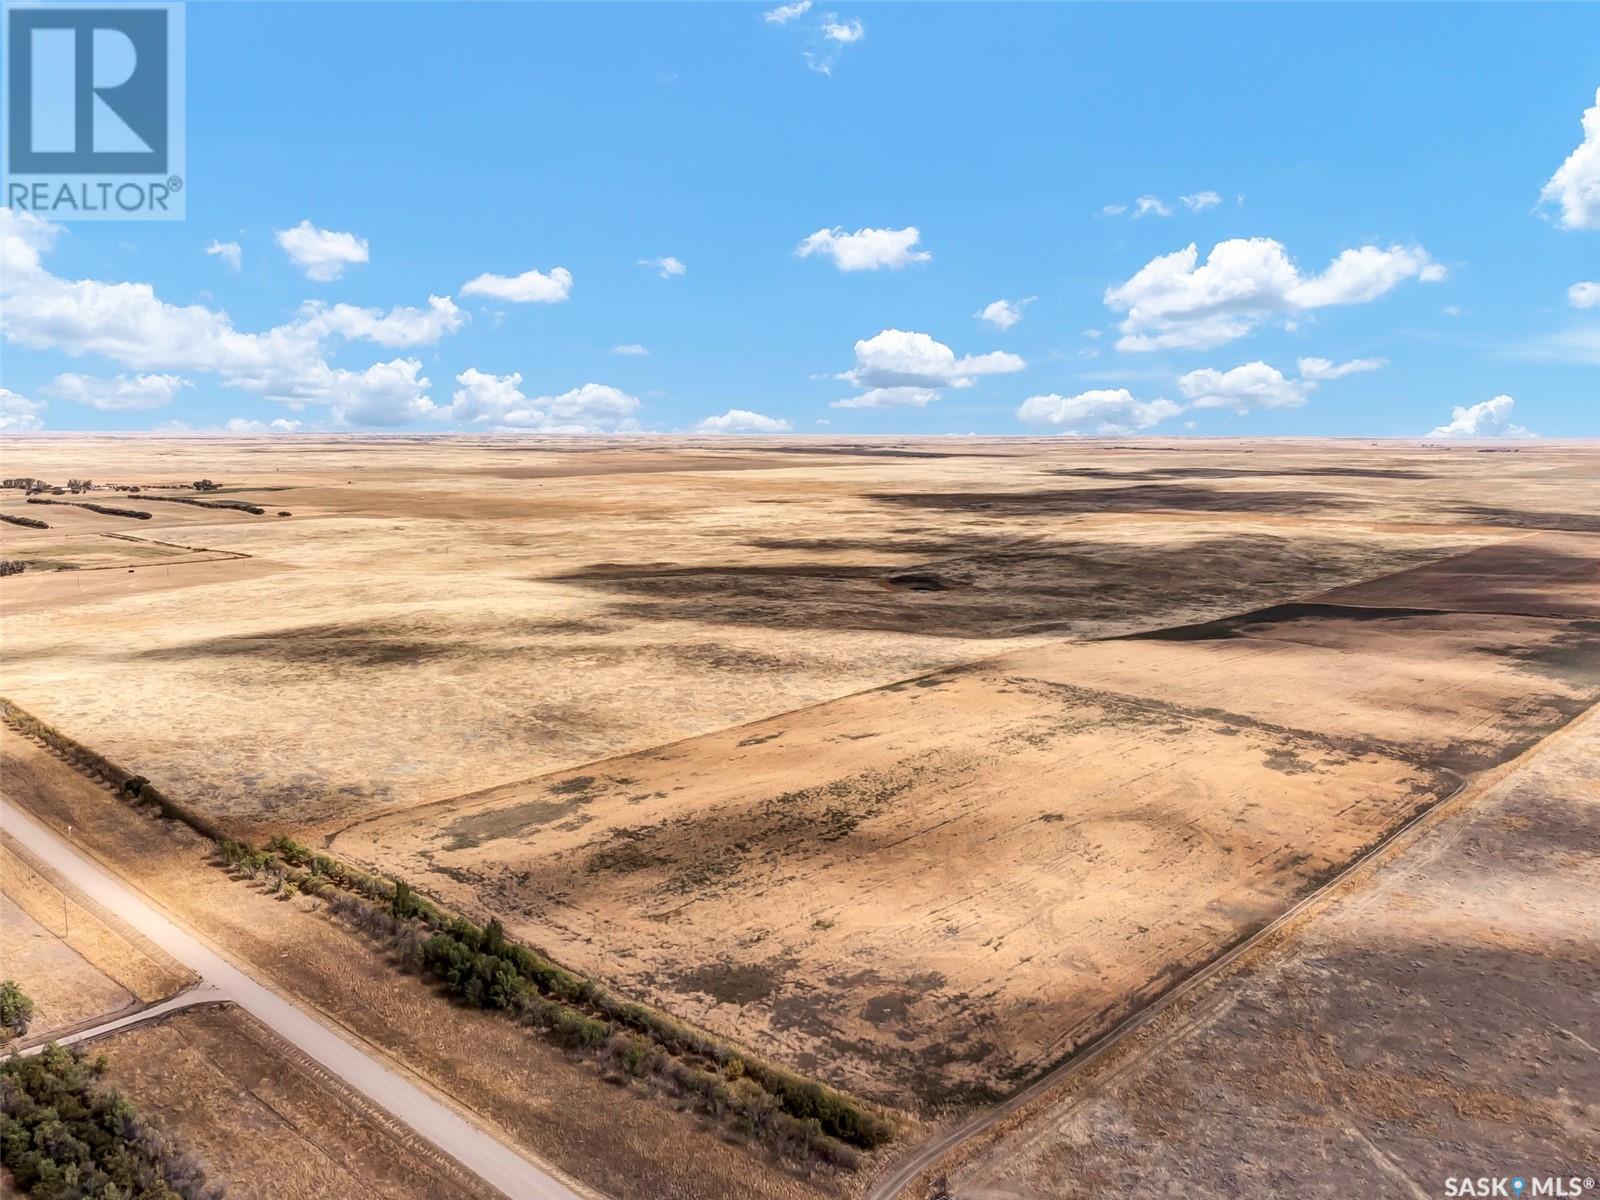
(845, 751)
(1439, 1021)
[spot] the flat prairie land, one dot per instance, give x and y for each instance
(265, 1125)
(913, 765)
(438, 615)
(930, 892)
(1438, 1022)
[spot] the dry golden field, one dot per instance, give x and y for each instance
(266, 1125)
(914, 766)
(1437, 1022)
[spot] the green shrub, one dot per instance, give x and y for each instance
(16, 1009)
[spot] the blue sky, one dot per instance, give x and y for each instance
(1393, 211)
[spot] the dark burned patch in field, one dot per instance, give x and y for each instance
(377, 645)
(1571, 655)
(1164, 473)
(974, 585)
(1144, 497)
(734, 982)
(1518, 518)
(367, 645)
(492, 824)
(1245, 624)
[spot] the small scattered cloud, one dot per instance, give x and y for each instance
(742, 420)
(322, 254)
(531, 287)
(18, 414)
(630, 350)
(1574, 190)
(1154, 206)
(843, 32)
(1177, 302)
(889, 397)
(866, 249)
(249, 425)
(1003, 314)
(1488, 419)
(1108, 411)
(826, 34)
(667, 267)
(785, 13)
(229, 252)
(1319, 369)
(118, 393)
(1584, 295)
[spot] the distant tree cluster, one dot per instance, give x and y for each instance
(65, 1136)
(206, 485)
(12, 566)
(25, 522)
(16, 1009)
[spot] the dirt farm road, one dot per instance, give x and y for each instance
(491, 1160)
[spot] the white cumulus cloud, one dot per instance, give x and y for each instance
(229, 252)
(401, 326)
(1176, 302)
(1584, 295)
(902, 367)
(1146, 206)
(742, 420)
(1003, 314)
(18, 414)
(133, 327)
(531, 287)
(1104, 410)
(630, 350)
(1574, 189)
(1487, 419)
(119, 393)
(1254, 385)
(498, 400)
(322, 254)
(866, 249)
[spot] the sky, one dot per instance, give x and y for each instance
(1302, 219)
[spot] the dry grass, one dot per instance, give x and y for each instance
(65, 988)
(1437, 1022)
(60, 913)
(266, 1125)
